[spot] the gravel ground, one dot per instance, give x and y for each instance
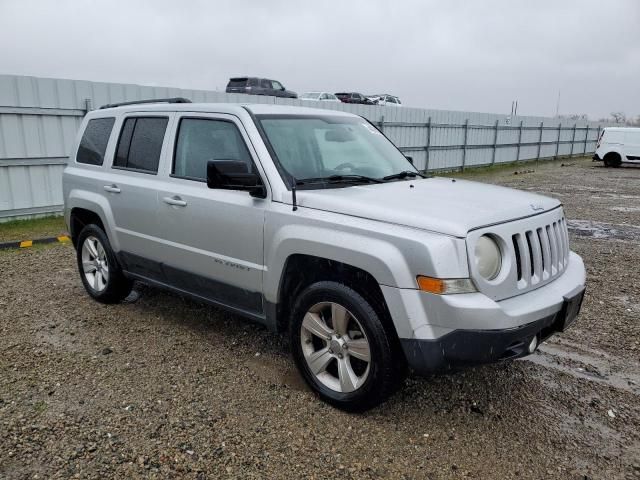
(162, 387)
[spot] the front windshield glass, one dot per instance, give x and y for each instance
(323, 146)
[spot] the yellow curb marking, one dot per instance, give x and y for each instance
(64, 238)
(26, 243)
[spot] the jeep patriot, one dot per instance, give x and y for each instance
(314, 224)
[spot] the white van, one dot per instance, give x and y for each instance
(617, 145)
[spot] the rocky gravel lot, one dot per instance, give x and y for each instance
(162, 387)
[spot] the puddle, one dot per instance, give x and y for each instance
(587, 228)
(275, 374)
(595, 366)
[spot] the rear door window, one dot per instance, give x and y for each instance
(94, 141)
(140, 144)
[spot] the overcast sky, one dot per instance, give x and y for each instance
(453, 55)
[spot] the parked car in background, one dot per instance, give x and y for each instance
(385, 100)
(617, 145)
(259, 86)
(319, 96)
(312, 223)
(353, 97)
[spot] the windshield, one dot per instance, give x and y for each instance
(315, 147)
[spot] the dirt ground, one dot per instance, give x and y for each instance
(162, 387)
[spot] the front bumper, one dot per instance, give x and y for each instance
(442, 332)
(596, 158)
(465, 348)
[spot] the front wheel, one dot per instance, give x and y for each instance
(342, 349)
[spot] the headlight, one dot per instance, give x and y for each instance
(488, 257)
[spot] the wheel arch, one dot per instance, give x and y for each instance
(301, 270)
(86, 207)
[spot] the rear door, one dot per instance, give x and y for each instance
(212, 239)
(131, 186)
(265, 87)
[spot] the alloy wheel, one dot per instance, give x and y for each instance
(95, 265)
(335, 347)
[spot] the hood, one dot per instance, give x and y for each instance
(443, 205)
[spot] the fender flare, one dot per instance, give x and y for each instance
(99, 205)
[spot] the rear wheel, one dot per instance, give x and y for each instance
(612, 160)
(342, 348)
(100, 272)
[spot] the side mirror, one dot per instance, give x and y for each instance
(234, 175)
(409, 158)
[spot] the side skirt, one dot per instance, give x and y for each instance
(233, 299)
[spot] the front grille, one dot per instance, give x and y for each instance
(541, 253)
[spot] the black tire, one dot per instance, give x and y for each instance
(117, 287)
(386, 368)
(612, 160)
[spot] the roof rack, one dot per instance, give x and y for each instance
(151, 100)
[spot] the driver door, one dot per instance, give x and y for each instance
(213, 239)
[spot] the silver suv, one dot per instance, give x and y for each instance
(312, 222)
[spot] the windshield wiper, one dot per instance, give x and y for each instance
(338, 179)
(403, 174)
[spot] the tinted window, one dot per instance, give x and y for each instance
(237, 82)
(123, 144)
(140, 143)
(202, 140)
(265, 83)
(277, 85)
(94, 141)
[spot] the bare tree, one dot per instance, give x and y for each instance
(619, 117)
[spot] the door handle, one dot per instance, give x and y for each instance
(112, 188)
(175, 200)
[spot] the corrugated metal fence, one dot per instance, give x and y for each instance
(39, 118)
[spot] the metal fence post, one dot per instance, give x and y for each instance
(540, 141)
(426, 167)
(573, 140)
(519, 141)
(558, 140)
(495, 142)
(464, 145)
(586, 137)
(381, 123)
(88, 106)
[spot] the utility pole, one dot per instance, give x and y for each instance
(558, 104)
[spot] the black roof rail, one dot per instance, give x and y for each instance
(151, 100)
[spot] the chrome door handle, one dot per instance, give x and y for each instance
(175, 200)
(112, 188)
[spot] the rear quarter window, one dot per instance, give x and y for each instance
(237, 82)
(94, 141)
